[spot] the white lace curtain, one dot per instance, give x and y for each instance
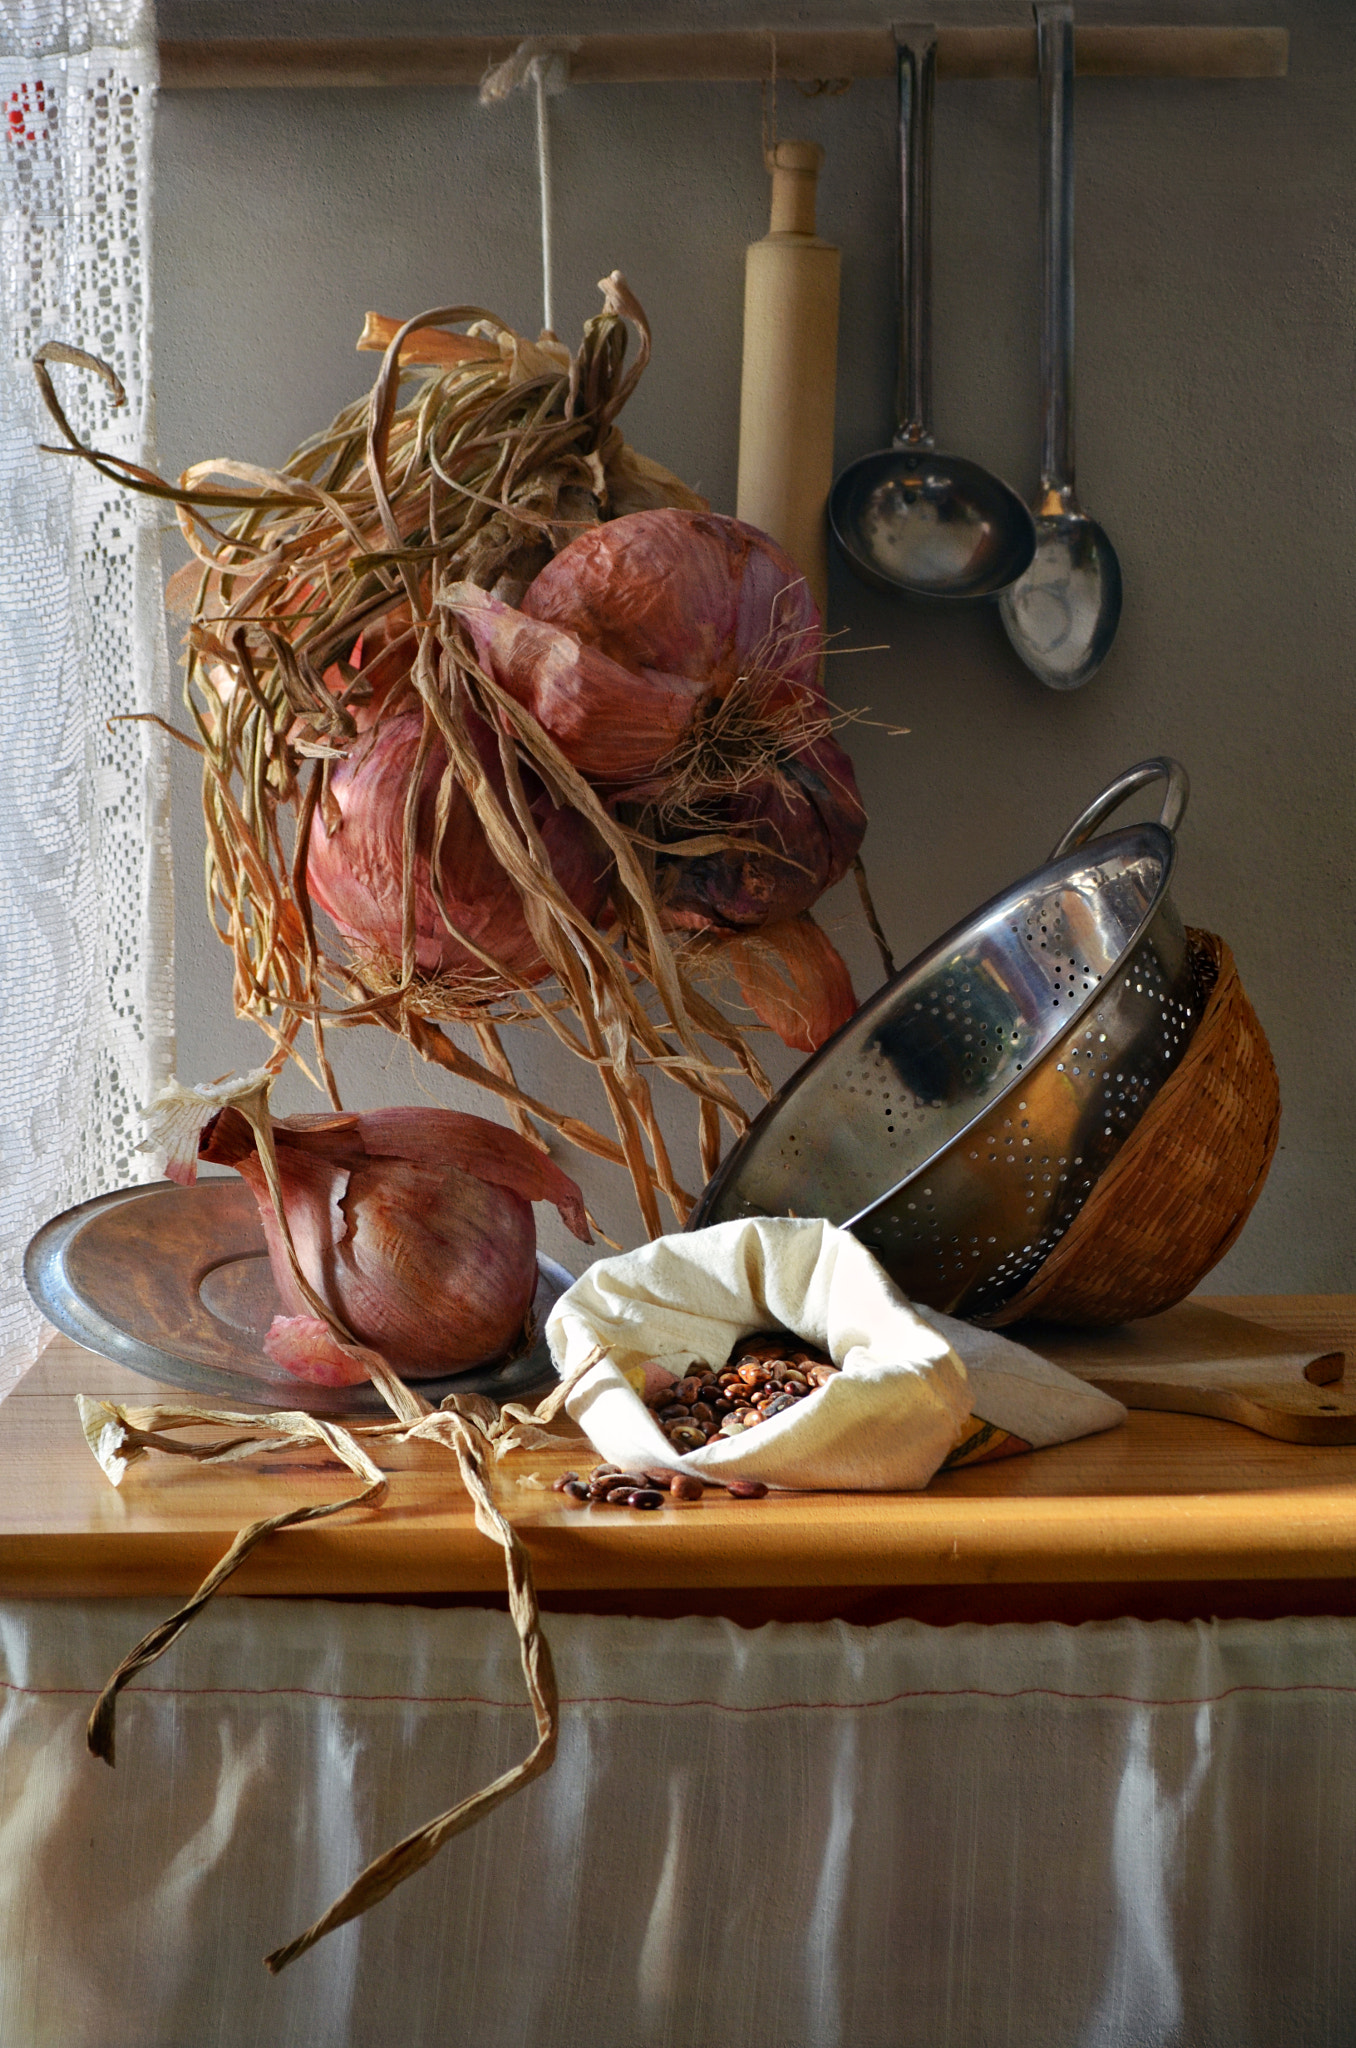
(85, 905)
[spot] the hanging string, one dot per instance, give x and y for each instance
(769, 99)
(543, 62)
(548, 285)
(810, 89)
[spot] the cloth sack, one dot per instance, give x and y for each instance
(902, 1401)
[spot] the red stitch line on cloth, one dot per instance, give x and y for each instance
(466, 1699)
(959, 1692)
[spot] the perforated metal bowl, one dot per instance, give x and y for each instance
(959, 1121)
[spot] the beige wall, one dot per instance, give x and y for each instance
(1216, 224)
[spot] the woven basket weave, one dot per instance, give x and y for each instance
(1177, 1194)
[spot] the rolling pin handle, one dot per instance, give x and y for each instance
(795, 170)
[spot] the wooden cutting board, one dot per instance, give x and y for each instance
(1204, 1361)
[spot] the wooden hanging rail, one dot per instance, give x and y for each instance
(727, 56)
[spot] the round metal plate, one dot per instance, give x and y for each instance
(175, 1283)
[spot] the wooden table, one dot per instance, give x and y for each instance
(1171, 1515)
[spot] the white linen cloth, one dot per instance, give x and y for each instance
(1023, 1392)
(884, 1422)
(816, 1836)
(86, 981)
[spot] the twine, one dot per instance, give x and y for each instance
(465, 1425)
(543, 62)
(768, 96)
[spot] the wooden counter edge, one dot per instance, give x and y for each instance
(1288, 1533)
(945, 1540)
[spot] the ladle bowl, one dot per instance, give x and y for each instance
(935, 525)
(907, 518)
(1062, 615)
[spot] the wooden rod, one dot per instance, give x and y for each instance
(732, 56)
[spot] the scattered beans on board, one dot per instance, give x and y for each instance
(609, 1486)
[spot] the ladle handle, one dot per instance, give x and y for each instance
(1055, 62)
(916, 59)
(1162, 768)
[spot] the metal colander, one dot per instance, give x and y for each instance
(961, 1118)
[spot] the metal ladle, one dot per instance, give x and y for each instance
(908, 518)
(1061, 616)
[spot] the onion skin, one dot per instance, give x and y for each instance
(306, 1348)
(803, 826)
(384, 653)
(687, 593)
(629, 630)
(793, 978)
(355, 870)
(610, 722)
(414, 1225)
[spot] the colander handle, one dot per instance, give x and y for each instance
(1160, 769)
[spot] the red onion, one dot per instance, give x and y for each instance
(414, 1225)
(354, 870)
(801, 827)
(634, 629)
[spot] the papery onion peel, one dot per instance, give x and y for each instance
(413, 1224)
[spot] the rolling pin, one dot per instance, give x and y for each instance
(790, 363)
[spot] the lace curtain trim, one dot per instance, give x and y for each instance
(85, 895)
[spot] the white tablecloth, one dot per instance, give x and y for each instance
(793, 1837)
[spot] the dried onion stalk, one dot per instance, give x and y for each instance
(321, 634)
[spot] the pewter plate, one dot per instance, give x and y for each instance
(175, 1283)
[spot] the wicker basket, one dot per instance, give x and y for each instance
(1182, 1187)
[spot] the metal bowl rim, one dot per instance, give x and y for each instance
(883, 997)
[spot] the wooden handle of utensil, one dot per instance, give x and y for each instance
(790, 366)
